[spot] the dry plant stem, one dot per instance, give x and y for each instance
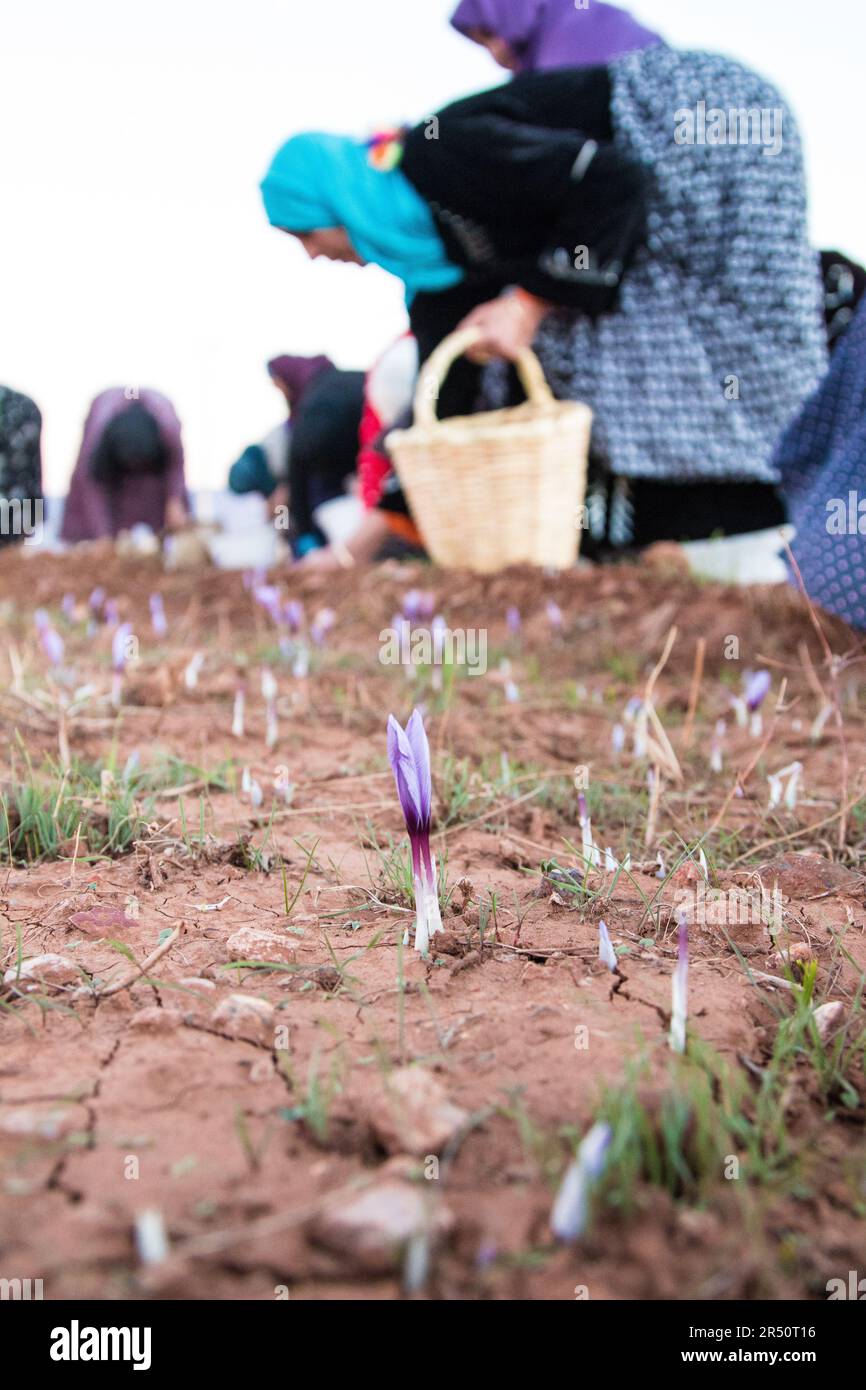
(63, 740)
(811, 674)
(653, 815)
(660, 666)
(836, 701)
(694, 694)
(146, 965)
(75, 855)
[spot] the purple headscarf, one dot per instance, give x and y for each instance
(92, 510)
(296, 373)
(554, 33)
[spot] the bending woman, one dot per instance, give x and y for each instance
(129, 470)
(534, 35)
(668, 284)
(307, 464)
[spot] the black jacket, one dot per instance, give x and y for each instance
(527, 187)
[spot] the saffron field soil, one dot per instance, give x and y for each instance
(161, 1137)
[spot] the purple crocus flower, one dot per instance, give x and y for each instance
(96, 600)
(680, 988)
(513, 619)
(111, 612)
(321, 625)
(52, 644)
(118, 646)
(554, 615)
(267, 596)
(409, 756)
(418, 603)
(757, 690)
(67, 606)
(251, 578)
(571, 1208)
(293, 615)
(158, 620)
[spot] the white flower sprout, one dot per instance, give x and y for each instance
(606, 953)
(680, 988)
(251, 788)
(589, 849)
(785, 790)
(193, 670)
(717, 746)
(269, 693)
(571, 1209)
(238, 710)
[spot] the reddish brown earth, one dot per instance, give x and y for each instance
(246, 1137)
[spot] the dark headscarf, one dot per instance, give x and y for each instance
(296, 373)
(131, 443)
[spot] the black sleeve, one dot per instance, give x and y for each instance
(534, 163)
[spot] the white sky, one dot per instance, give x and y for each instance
(133, 245)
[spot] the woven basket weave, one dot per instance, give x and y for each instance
(504, 487)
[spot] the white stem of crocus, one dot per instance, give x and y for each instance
(571, 1208)
(793, 786)
(428, 918)
(191, 673)
(271, 728)
(238, 715)
(590, 850)
(756, 727)
(818, 727)
(679, 1002)
(116, 688)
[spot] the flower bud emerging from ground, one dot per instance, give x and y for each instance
(321, 626)
(680, 988)
(606, 953)
(409, 756)
(238, 709)
(158, 620)
(192, 670)
(571, 1209)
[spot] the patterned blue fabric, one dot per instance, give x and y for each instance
(718, 336)
(822, 460)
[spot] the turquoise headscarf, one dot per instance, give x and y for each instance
(317, 181)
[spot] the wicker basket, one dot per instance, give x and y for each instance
(505, 487)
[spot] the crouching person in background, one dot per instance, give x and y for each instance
(385, 526)
(306, 465)
(130, 469)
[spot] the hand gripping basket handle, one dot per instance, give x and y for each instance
(438, 364)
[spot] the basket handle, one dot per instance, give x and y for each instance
(440, 361)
